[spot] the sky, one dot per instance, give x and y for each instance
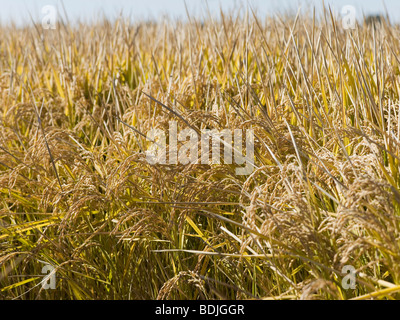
(19, 11)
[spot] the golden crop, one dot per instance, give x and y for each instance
(76, 191)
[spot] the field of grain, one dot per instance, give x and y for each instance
(77, 194)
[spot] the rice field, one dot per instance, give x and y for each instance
(78, 195)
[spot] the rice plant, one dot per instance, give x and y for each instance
(77, 193)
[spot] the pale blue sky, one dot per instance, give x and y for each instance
(17, 10)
